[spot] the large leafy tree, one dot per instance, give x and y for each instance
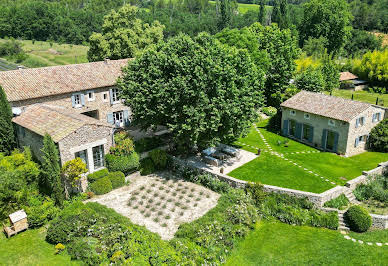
(330, 19)
(272, 49)
(123, 35)
(51, 170)
(378, 137)
(201, 90)
(373, 67)
(7, 135)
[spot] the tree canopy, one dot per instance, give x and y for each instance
(373, 67)
(201, 90)
(123, 35)
(272, 49)
(330, 19)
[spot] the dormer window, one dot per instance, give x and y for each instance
(292, 112)
(331, 123)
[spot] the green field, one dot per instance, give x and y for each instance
(30, 248)
(362, 96)
(42, 54)
(272, 170)
(282, 244)
(243, 8)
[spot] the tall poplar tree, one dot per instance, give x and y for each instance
(7, 134)
(52, 170)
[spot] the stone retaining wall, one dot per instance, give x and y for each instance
(381, 169)
(379, 221)
(317, 199)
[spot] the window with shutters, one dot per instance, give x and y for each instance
(292, 128)
(77, 100)
(98, 156)
(307, 131)
(115, 95)
(376, 117)
(360, 121)
(118, 118)
(84, 157)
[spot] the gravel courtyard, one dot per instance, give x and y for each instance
(160, 202)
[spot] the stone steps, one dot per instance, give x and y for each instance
(349, 194)
(342, 226)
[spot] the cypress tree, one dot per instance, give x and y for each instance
(52, 170)
(7, 134)
(262, 12)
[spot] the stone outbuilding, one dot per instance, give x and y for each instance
(349, 81)
(76, 135)
(330, 123)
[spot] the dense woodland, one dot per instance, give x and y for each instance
(73, 21)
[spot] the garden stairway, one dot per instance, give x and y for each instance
(342, 226)
(349, 194)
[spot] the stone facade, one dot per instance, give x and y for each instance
(99, 103)
(379, 221)
(27, 138)
(364, 130)
(85, 139)
(345, 142)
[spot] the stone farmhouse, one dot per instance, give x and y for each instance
(330, 123)
(78, 105)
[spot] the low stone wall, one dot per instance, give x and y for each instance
(381, 169)
(379, 221)
(317, 199)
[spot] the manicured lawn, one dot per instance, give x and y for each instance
(337, 168)
(283, 244)
(362, 96)
(271, 170)
(42, 54)
(379, 236)
(30, 248)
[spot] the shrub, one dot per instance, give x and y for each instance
(322, 219)
(339, 202)
(358, 219)
(269, 111)
(378, 137)
(117, 179)
(123, 144)
(147, 166)
(375, 189)
(59, 248)
(125, 164)
(206, 180)
(40, 210)
(101, 186)
(97, 175)
(159, 157)
(147, 144)
(256, 191)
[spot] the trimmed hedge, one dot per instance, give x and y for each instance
(147, 166)
(97, 175)
(117, 179)
(159, 157)
(101, 186)
(125, 164)
(358, 219)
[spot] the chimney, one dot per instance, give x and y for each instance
(106, 60)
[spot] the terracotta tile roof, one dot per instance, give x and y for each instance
(347, 76)
(58, 122)
(325, 105)
(30, 83)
